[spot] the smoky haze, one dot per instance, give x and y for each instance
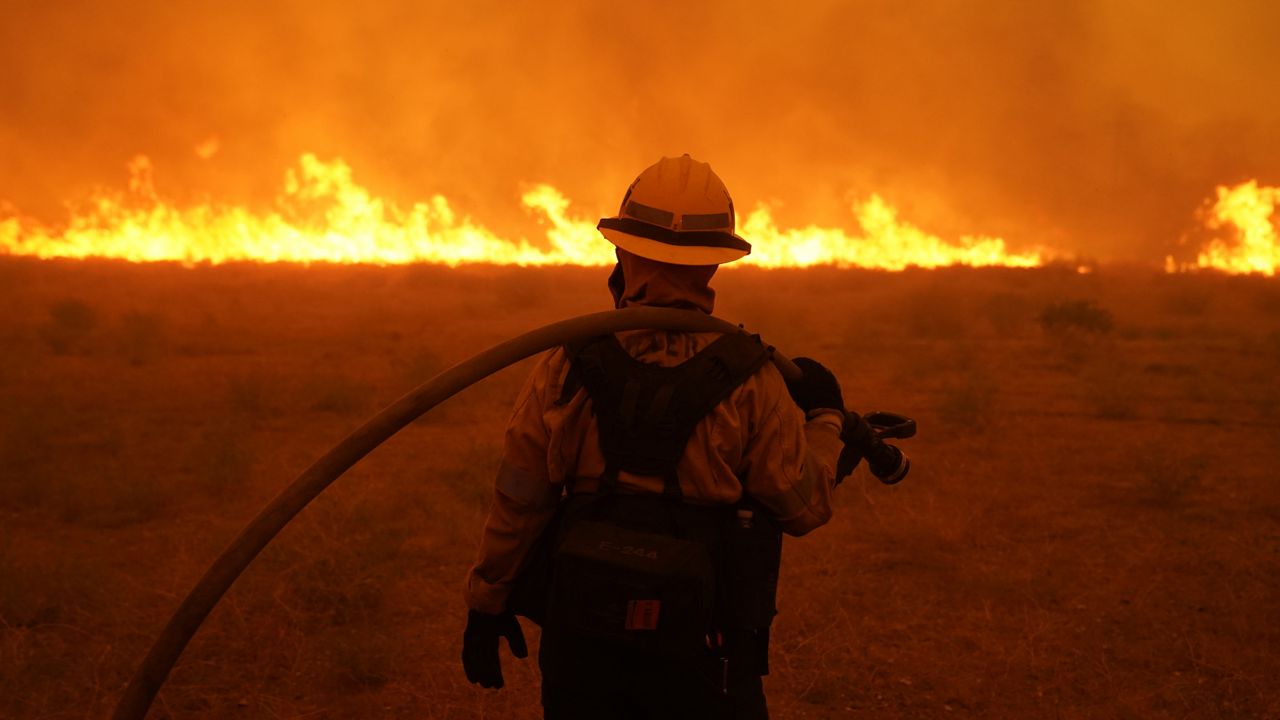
(1092, 127)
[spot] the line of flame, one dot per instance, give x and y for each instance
(323, 215)
(1250, 210)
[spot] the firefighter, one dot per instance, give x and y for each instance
(645, 483)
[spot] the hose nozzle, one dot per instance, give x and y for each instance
(887, 462)
(867, 434)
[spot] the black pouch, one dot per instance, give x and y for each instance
(751, 559)
(647, 589)
(750, 562)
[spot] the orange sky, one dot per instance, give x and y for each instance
(1096, 127)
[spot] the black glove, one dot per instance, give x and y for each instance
(857, 436)
(480, 646)
(817, 388)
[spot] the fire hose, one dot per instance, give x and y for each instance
(186, 620)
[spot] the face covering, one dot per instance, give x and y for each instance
(640, 281)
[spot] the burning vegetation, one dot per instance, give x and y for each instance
(1243, 221)
(322, 214)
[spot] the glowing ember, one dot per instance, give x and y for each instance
(1255, 248)
(322, 215)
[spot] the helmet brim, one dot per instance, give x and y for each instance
(693, 247)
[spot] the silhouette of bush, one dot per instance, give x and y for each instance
(1069, 316)
(68, 327)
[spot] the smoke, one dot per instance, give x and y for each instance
(1094, 127)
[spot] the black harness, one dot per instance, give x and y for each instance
(646, 413)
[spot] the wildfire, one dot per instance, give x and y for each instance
(323, 215)
(1251, 211)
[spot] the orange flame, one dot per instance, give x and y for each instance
(1251, 210)
(323, 215)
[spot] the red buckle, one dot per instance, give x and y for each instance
(643, 614)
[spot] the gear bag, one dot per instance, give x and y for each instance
(635, 571)
(638, 570)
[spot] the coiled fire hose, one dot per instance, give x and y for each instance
(187, 619)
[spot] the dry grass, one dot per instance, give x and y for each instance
(1090, 528)
(221, 460)
(142, 337)
(336, 393)
(1076, 316)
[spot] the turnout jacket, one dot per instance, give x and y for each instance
(757, 441)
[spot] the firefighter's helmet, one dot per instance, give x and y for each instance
(677, 211)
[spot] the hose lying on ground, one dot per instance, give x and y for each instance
(151, 674)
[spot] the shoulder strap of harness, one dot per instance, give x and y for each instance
(646, 413)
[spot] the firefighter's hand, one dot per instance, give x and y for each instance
(480, 646)
(857, 437)
(817, 388)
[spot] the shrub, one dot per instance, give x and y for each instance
(68, 327)
(1070, 316)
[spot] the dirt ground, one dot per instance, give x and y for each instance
(1091, 528)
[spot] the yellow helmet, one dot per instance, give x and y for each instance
(677, 211)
